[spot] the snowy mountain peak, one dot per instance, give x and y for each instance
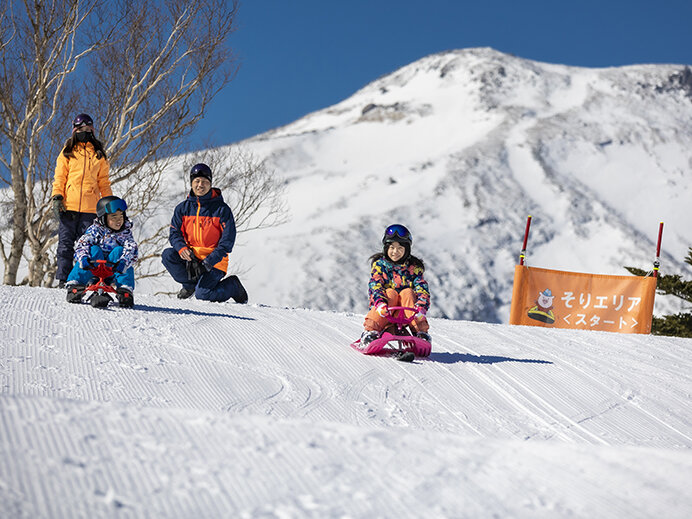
(490, 80)
(461, 146)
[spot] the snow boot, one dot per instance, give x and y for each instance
(425, 336)
(125, 297)
(241, 295)
(75, 292)
(185, 293)
(367, 337)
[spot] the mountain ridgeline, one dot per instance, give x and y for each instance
(461, 147)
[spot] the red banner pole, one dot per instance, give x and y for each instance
(657, 261)
(522, 254)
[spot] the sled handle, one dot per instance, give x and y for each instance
(400, 320)
(94, 263)
(102, 268)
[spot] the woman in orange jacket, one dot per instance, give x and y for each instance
(81, 179)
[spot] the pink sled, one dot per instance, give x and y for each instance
(406, 342)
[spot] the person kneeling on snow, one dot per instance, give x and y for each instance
(202, 234)
(108, 238)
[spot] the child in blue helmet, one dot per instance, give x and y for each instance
(110, 238)
(396, 279)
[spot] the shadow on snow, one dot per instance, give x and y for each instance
(182, 311)
(452, 358)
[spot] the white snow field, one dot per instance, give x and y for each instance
(193, 409)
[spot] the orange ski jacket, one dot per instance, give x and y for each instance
(82, 179)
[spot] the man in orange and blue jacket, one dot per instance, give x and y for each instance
(202, 234)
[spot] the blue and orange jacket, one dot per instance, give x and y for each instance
(204, 224)
(384, 274)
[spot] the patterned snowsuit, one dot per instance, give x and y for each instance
(102, 242)
(396, 285)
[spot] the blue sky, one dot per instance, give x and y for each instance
(303, 55)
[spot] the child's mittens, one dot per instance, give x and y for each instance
(120, 267)
(84, 262)
(420, 313)
(382, 310)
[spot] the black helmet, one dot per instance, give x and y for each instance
(109, 205)
(82, 120)
(200, 170)
(398, 233)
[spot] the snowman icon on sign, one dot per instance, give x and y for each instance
(543, 310)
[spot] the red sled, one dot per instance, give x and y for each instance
(396, 339)
(98, 292)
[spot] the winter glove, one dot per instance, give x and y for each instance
(58, 206)
(194, 269)
(420, 313)
(120, 267)
(85, 263)
(206, 267)
(382, 310)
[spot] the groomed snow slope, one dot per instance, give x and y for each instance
(191, 409)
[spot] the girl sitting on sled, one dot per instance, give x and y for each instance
(396, 279)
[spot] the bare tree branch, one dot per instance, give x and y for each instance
(252, 191)
(147, 76)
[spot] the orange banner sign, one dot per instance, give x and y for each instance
(558, 299)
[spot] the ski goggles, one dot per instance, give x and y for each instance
(82, 123)
(82, 120)
(397, 231)
(84, 128)
(116, 205)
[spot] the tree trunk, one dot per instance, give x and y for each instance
(36, 268)
(18, 222)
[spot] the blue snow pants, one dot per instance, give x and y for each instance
(210, 287)
(81, 276)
